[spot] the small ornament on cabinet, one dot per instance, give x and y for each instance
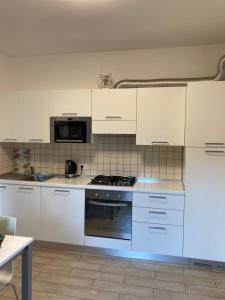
(105, 80)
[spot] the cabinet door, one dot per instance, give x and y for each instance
(205, 114)
(36, 118)
(11, 116)
(27, 210)
(161, 116)
(70, 103)
(62, 213)
(204, 221)
(114, 104)
(6, 200)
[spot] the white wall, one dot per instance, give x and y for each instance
(5, 72)
(81, 70)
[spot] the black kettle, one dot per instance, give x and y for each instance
(70, 169)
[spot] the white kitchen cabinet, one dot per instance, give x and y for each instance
(114, 111)
(204, 221)
(36, 121)
(11, 117)
(157, 239)
(27, 210)
(161, 116)
(6, 200)
(205, 114)
(62, 213)
(70, 103)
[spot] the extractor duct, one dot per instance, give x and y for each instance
(144, 83)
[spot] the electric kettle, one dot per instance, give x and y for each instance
(70, 169)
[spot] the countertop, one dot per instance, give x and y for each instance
(142, 184)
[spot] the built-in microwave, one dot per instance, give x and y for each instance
(71, 130)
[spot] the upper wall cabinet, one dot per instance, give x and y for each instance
(205, 114)
(114, 111)
(70, 103)
(11, 117)
(161, 116)
(36, 117)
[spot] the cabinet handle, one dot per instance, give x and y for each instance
(214, 144)
(214, 152)
(158, 198)
(157, 228)
(160, 143)
(2, 187)
(35, 140)
(28, 189)
(10, 140)
(69, 114)
(114, 117)
(108, 204)
(62, 191)
(158, 212)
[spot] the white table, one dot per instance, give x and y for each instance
(13, 246)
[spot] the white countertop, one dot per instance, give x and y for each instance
(142, 184)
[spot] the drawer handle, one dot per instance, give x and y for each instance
(69, 114)
(214, 152)
(113, 117)
(162, 213)
(158, 199)
(24, 189)
(62, 191)
(160, 143)
(8, 140)
(35, 140)
(158, 228)
(214, 144)
(2, 187)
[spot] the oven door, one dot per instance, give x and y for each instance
(70, 131)
(111, 219)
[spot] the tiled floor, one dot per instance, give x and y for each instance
(66, 275)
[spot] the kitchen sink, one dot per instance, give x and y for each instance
(24, 177)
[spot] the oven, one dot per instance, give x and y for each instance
(71, 130)
(108, 214)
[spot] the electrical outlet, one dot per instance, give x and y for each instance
(84, 166)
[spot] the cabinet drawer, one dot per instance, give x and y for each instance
(114, 127)
(159, 216)
(158, 239)
(164, 201)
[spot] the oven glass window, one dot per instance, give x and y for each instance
(112, 219)
(70, 131)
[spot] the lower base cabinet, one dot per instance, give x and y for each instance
(157, 238)
(62, 215)
(27, 210)
(6, 200)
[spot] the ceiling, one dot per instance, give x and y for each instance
(36, 27)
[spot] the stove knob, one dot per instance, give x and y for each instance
(107, 195)
(96, 195)
(119, 196)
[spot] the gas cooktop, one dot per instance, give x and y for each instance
(114, 180)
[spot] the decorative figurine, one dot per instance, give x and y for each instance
(105, 80)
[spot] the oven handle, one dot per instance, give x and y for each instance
(108, 204)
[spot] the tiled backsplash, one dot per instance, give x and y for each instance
(109, 155)
(6, 162)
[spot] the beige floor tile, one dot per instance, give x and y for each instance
(88, 293)
(56, 254)
(97, 275)
(205, 291)
(166, 295)
(105, 260)
(50, 269)
(42, 260)
(158, 284)
(128, 271)
(76, 264)
(37, 295)
(185, 279)
(157, 267)
(123, 288)
(65, 280)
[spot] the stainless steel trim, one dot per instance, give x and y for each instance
(144, 83)
(108, 204)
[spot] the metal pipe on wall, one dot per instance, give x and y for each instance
(142, 83)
